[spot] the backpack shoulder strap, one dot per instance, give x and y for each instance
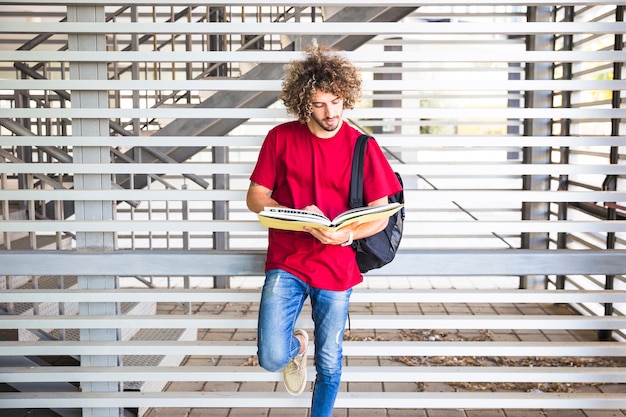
(356, 178)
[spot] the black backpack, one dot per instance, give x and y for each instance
(377, 250)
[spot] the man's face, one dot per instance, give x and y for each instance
(326, 116)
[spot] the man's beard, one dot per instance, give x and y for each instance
(326, 127)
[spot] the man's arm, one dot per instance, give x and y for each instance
(373, 227)
(259, 197)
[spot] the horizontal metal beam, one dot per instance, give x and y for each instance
(156, 141)
(350, 348)
(138, 168)
(426, 169)
(251, 263)
(411, 400)
(143, 195)
(298, 3)
(412, 228)
(316, 28)
(493, 374)
(460, 195)
(378, 322)
(198, 226)
(277, 57)
(406, 141)
(416, 113)
(276, 85)
(204, 295)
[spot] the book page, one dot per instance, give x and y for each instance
(289, 213)
(296, 220)
(361, 211)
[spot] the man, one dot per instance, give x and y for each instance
(306, 164)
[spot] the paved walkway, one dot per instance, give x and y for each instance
(524, 335)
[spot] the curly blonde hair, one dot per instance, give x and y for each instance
(325, 70)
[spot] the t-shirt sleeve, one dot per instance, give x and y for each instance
(379, 180)
(264, 172)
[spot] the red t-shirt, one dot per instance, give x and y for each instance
(302, 169)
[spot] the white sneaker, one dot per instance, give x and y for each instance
(294, 374)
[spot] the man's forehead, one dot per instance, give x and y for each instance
(324, 97)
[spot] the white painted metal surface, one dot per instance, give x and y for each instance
(415, 400)
(459, 141)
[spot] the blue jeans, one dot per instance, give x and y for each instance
(281, 303)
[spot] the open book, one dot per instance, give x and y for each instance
(293, 219)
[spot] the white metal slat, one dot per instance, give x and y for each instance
(358, 296)
(515, 196)
(207, 226)
(251, 263)
(317, 28)
(395, 400)
(426, 169)
(457, 228)
(364, 349)
(299, 3)
(406, 141)
(416, 374)
(418, 113)
(275, 57)
(356, 322)
(275, 85)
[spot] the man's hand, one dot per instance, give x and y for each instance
(314, 209)
(338, 237)
(327, 237)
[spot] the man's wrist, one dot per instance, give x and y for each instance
(349, 241)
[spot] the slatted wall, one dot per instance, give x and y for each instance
(129, 129)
